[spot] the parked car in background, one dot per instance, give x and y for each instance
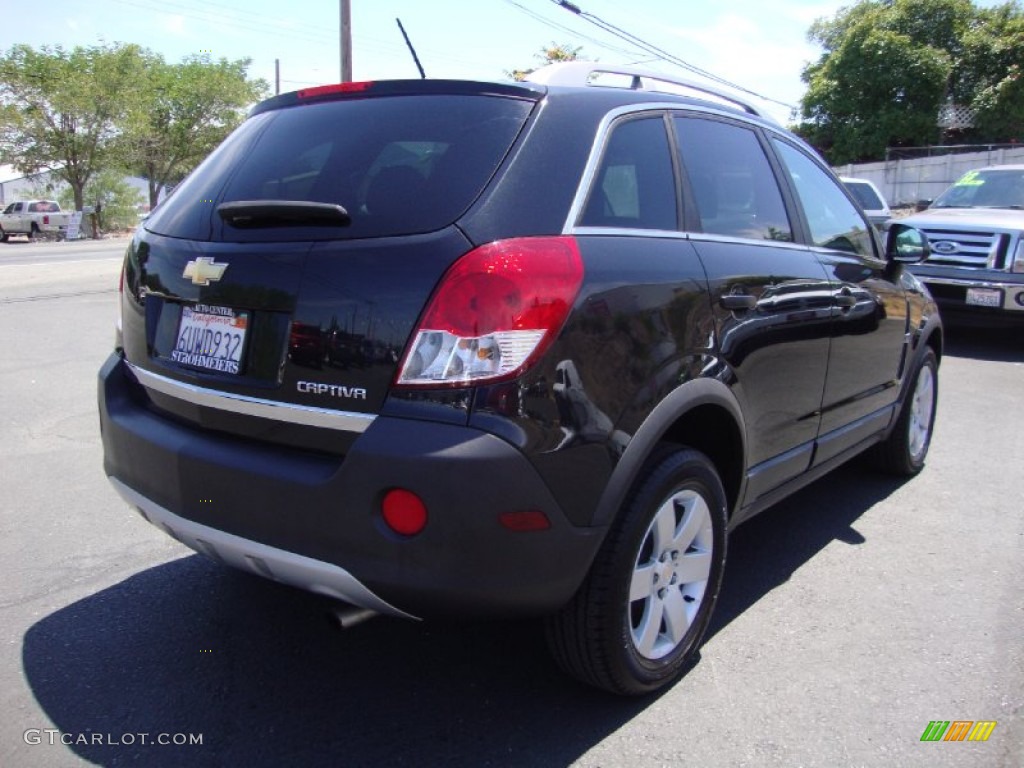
(870, 199)
(976, 231)
(443, 348)
(31, 218)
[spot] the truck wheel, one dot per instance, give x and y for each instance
(638, 619)
(4, 237)
(904, 451)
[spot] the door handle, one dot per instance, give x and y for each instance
(845, 299)
(737, 302)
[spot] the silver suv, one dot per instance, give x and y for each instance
(976, 231)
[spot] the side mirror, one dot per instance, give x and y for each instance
(906, 245)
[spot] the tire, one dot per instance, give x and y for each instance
(4, 237)
(636, 622)
(904, 452)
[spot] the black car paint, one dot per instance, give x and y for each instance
(777, 392)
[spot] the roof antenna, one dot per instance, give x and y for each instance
(411, 50)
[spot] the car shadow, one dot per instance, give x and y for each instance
(765, 551)
(1001, 344)
(260, 674)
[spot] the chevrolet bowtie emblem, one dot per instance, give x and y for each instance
(202, 270)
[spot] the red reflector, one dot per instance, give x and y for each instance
(404, 512)
(528, 520)
(326, 90)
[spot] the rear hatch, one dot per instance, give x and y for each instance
(272, 295)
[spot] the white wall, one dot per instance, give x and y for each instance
(904, 182)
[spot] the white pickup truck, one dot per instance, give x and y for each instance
(33, 217)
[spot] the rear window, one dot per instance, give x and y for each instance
(399, 165)
(865, 195)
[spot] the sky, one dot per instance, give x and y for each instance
(762, 46)
(759, 45)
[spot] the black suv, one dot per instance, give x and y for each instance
(455, 348)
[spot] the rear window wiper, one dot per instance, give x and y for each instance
(255, 214)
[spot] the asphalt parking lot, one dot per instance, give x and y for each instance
(852, 616)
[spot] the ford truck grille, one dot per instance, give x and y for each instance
(962, 248)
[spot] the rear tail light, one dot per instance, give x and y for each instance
(494, 313)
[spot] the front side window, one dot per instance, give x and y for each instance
(634, 187)
(732, 181)
(833, 220)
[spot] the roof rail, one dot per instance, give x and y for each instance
(580, 73)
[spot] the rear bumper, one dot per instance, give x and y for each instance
(269, 562)
(313, 521)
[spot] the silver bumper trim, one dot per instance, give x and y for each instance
(271, 563)
(325, 418)
(970, 283)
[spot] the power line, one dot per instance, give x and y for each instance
(659, 53)
(568, 30)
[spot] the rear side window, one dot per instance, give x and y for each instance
(733, 183)
(634, 187)
(398, 164)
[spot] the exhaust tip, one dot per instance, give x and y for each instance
(346, 618)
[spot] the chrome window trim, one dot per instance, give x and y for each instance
(600, 139)
(697, 237)
(291, 413)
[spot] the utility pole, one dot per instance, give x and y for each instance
(346, 41)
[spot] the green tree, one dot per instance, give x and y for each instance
(888, 66)
(992, 80)
(113, 198)
(62, 110)
(184, 111)
(549, 54)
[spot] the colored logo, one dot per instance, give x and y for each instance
(202, 270)
(958, 730)
(945, 246)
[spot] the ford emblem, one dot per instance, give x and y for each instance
(945, 246)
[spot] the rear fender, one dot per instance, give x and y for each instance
(681, 401)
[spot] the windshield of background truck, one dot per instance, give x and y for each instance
(985, 189)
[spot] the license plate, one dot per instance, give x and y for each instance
(211, 337)
(984, 297)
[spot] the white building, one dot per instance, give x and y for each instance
(18, 186)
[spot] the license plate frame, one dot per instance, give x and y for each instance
(984, 297)
(211, 338)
